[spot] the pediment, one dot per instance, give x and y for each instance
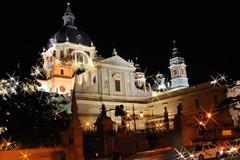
(117, 61)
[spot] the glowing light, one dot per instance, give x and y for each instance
(11, 78)
(209, 115)
(183, 154)
(159, 126)
(223, 77)
(3, 129)
(5, 94)
(87, 124)
(24, 155)
(219, 78)
(7, 144)
(232, 150)
(36, 71)
(141, 114)
(227, 132)
(215, 81)
(200, 123)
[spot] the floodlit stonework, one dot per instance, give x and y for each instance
(71, 57)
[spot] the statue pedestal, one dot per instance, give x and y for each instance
(74, 148)
(105, 137)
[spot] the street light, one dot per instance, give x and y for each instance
(209, 115)
(135, 117)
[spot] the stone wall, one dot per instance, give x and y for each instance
(34, 154)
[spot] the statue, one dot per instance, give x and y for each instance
(104, 112)
(178, 118)
(179, 108)
(166, 119)
(160, 82)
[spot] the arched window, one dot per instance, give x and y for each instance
(78, 57)
(81, 59)
(61, 54)
(85, 59)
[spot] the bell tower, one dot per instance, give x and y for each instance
(178, 69)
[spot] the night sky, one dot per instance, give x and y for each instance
(206, 34)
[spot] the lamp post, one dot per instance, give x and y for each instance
(135, 117)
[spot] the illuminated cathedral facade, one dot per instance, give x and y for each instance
(71, 58)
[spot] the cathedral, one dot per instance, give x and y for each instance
(71, 59)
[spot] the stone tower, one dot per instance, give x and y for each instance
(178, 69)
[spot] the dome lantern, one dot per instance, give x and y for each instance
(68, 17)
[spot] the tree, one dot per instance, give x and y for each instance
(32, 117)
(232, 102)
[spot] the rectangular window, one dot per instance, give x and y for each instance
(117, 86)
(215, 99)
(197, 103)
(62, 72)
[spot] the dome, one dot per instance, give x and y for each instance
(70, 34)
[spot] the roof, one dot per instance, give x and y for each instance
(70, 34)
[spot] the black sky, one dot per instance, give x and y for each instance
(206, 34)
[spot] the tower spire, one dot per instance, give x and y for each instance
(68, 16)
(114, 53)
(137, 65)
(175, 50)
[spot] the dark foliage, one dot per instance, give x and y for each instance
(230, 102)
(33, 118)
